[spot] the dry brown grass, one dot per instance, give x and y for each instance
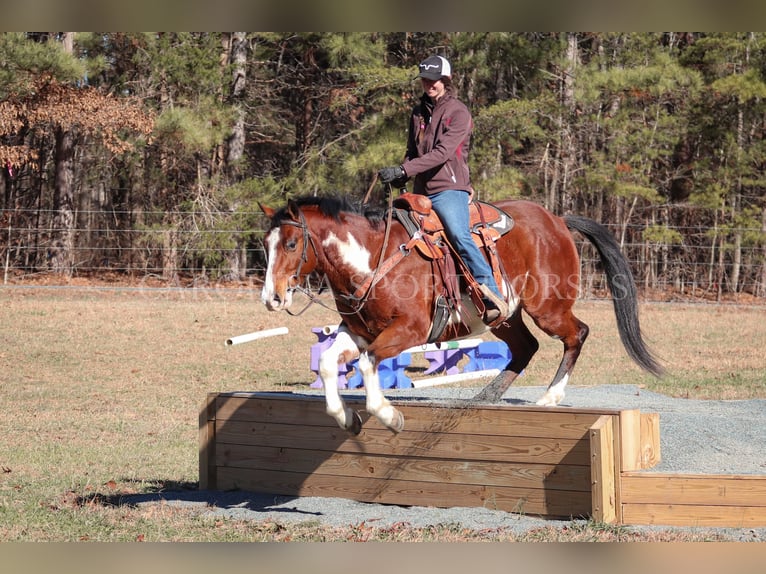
(101, 390)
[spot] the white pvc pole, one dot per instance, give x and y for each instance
(256, 335)
(457, 378)
(446, 346)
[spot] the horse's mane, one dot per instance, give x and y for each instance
(334, 206)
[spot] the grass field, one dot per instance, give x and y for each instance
(100, 393)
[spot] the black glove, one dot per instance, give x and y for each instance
(394, 175)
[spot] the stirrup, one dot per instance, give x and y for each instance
(498, 302)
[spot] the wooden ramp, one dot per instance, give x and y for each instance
(548, 462)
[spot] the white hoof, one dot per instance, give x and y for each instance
(550, 400)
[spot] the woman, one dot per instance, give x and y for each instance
(437, 159)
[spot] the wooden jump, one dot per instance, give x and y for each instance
(547, 462)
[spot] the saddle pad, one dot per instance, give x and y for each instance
(486, 213)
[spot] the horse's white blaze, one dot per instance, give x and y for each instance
(351, 252)
(328, 372)
(267, 292)
(269, 289)
(555, 393)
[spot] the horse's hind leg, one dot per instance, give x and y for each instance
(342, 350)
(572, 333)
(522, 345)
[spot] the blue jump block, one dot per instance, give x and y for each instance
(390, 372)
(488, 355)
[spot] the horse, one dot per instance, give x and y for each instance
(385, 312)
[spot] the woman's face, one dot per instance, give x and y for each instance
(434, 89)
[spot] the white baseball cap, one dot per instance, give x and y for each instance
(434, 68)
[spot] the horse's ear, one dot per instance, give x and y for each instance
(268, 211)
(293, 210)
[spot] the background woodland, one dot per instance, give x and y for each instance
(146, 154)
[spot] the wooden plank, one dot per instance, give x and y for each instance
(604, 504)
(283, 409)
(458, 417)
(207, 443)
(630, 439)
(542, 476)
(408, 443)
(549, 503)
(680, 489)
(651, 454)
(694, 515)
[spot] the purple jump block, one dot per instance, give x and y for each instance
(323, 343)
(446, 360)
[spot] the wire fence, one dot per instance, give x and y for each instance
(197, 249)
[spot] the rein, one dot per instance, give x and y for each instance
(362, 293)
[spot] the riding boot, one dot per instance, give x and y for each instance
(495, 306)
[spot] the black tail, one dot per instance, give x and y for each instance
(623, 290)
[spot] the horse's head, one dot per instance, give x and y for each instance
(291, 255)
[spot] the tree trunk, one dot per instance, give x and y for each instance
(559, 192)
(761, 292)
(62, 240)
(170, 256)
(236, 141)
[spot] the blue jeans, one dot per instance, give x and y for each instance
(451, 206)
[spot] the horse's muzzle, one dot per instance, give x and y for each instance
(275, 302)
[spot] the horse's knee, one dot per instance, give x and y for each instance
(328, 366)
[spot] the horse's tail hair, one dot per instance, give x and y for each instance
(619, 278)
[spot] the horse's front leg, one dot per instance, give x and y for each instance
(342, 350)
(377, 404)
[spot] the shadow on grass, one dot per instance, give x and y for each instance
(188, 495)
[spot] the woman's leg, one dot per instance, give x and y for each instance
(452, 208)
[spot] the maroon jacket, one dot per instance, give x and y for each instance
(437, 145)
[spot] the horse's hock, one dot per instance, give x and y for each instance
(548, 462)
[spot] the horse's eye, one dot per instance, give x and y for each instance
(291, 245)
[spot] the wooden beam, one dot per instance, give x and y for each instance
(536, 502)
(630, 436)
(703, 489)
(651, 454)
(366, 465)
(736, 501)
(540, 450)
(207, 442)
(604, 504)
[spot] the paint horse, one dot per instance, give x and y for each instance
(396, 310)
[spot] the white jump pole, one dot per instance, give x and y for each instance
(456, 378)
(425, 347)
(446, 346)
(255, 335)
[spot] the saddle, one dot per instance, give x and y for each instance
(488, 223)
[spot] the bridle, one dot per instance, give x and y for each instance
(307, 240)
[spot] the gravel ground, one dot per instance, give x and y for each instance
(696, 436)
